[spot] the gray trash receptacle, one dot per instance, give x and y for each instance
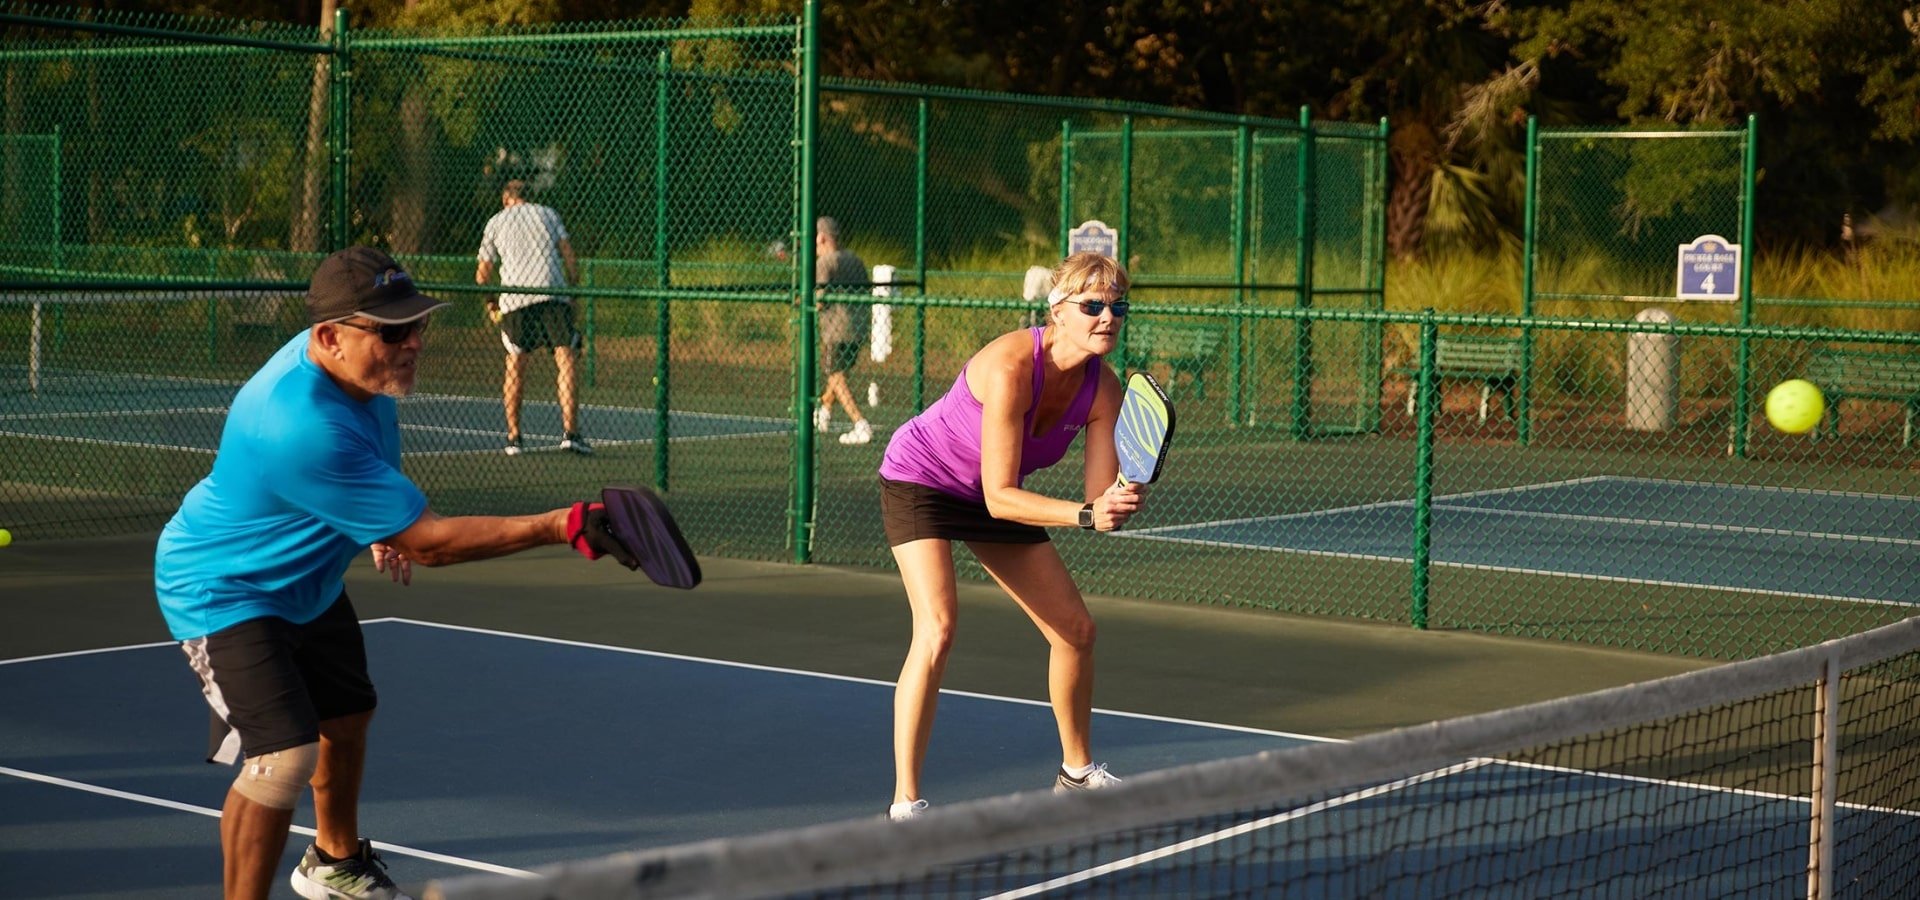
(1653, 375)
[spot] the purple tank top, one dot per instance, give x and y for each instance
(940, 447)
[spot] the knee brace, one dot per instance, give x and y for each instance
(276, 779)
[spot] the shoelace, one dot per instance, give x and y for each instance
(1100, 777)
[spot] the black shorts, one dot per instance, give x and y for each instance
(548, 323)
(841, 355)
(913, 512)
(270, 683)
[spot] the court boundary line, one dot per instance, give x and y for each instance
(1522, 570)
(1369, 792)
(177, 806)
(829, 676)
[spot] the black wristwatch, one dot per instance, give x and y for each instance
(1086, 517)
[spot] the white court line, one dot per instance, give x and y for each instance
(113, 413)
(1363, 507)
(1236, 831)
(730, 664)
(1520, 570)
(176, 806)
(827, 676)
(106, 442)
(1692, 526)
(1244, 828)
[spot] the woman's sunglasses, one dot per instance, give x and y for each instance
(395, 333)
(1096, 307)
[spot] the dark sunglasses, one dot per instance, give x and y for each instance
(1096, 307)
(396, 333)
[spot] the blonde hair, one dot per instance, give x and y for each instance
(1085, 271)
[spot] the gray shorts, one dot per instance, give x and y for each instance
(548, 323)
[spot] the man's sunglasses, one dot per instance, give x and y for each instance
(395, 333)
(1096, 307)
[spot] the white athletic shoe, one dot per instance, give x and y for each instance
(861, 433)
(822, 418)
(362, 876)
(906, 809)
(1092, 781)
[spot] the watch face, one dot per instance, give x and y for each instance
(1086, 516)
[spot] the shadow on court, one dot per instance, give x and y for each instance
(530, 731)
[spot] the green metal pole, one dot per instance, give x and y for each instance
(1304, 223)
(593, 356)
(1237, 337)
(1743, 348)
(920, 256)
(1529, 256)
(802, 512)
(59, 234)
(339, 110)
(1066, 182)
(1126, 187)
(1377, 271)
(663, 274)
(1423, 467)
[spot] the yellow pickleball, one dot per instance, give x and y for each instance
(6, 537)
(1795, 406)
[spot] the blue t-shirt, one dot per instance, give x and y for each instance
(306, 478)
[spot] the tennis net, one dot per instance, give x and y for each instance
(1791, 774)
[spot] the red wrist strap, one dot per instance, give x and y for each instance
(577, 529)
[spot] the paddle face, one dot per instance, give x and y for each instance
(1145, 430)
(641, 522)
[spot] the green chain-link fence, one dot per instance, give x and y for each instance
(1574, 475)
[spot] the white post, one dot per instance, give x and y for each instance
(33, 352)
(1826, 777)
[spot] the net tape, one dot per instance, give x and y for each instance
(866, 852)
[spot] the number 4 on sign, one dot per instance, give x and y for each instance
(1706, 286)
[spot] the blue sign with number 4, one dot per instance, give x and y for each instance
(1709, 269)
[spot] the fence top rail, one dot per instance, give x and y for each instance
(177, 37)
(387, 39)
(1583, 133)
(1082, 104)
(19, 292)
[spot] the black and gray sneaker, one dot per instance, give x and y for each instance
(362, 876)
(573, 441)
(1092, 781)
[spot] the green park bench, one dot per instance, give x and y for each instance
(1492, 361)
(1843, 374)
(1189, 347)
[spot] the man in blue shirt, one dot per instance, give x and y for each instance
(249, 572)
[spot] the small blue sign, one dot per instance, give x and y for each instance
(1709, 270)
(1093, 236)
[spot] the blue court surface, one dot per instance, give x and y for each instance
(1780, 541)
(187, 414)
(496, 752)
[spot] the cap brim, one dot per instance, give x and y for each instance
(394, 312)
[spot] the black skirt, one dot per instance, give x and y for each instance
(913, 512)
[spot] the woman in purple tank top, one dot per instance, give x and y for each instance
(955, 473)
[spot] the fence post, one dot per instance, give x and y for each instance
(1304, 223)
(340, 115)
(1743, 345)
(1242, 195)
(803, 261)
(1528, 217)
(663, 274)
(1426, 401)
(920, 255)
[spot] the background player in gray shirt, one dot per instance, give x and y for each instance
(529, 245)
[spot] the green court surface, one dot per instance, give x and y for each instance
(1252, 668)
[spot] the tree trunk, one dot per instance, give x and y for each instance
(1413, 150)
(304, 234)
